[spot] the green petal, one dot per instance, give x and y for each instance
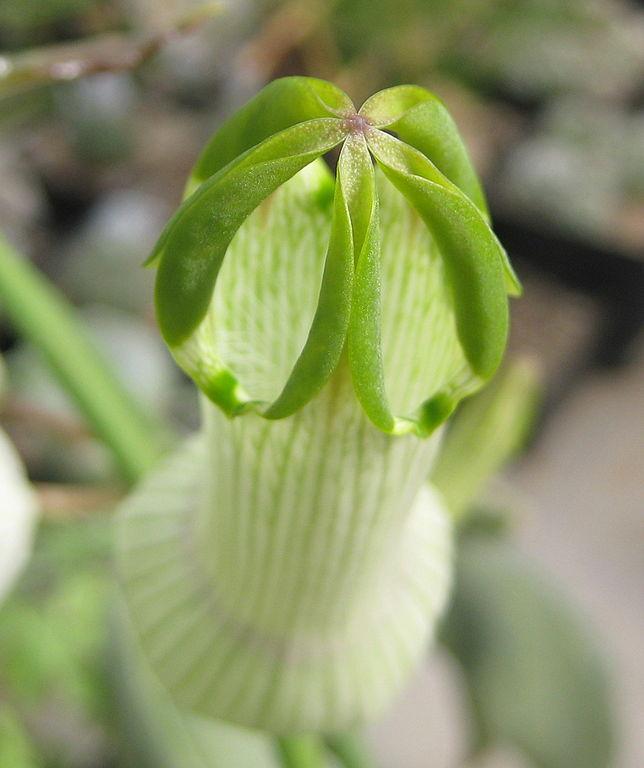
(420, 119)
(280, 105)
(281, 307)
(196, 240)
(473, 256)
(364, 339)
(325, 341)
(403, 345)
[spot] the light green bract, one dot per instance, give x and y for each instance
(284, 129)
(288, 573)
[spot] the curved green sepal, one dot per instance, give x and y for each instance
(472, 254)
(364, 342)
(197, 237)
(512, 283)
(325, 341)
(280, 105)
(364, 337)
(420, 118)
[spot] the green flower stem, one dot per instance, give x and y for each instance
(301, 752)
(43, 316)
(349, 750)
(306, 751)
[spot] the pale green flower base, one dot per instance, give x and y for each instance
(287, 575)
(157, 734)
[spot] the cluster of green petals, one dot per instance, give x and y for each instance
(414, 142)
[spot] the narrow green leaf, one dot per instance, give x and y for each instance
(473, 255)
(535, 677)
(196, 240)
(485, 433)
(16, 748)
(43, 316)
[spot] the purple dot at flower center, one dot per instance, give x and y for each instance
(357, 124)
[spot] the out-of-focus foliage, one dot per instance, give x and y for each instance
(16, 749)
(73, 692)
(535, 676)
(536, 680)
(530, 47)
(487, 431)
(52, 649)
(24, 21)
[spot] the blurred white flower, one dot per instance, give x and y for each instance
(18, 510)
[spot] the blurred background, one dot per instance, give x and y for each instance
(97, 136)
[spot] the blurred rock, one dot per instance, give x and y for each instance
(96, 112)
(554, 325)
(549, 179)
(102, 259)
(21, 200)
(543, 48)
(581, 171)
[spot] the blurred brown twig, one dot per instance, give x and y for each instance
(287, 29)
(110, 52)
(60, 502)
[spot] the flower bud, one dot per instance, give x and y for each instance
(286, 569)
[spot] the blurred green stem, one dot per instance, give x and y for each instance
(45, 318)
(349, 750)
(487, 431)
(301, 752)
(308, 751)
